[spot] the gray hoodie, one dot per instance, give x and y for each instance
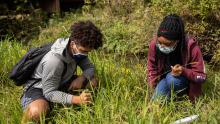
(51, 68)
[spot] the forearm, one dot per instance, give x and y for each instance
(58, 97)
(88, 68)
(88, 73)
(191, 75)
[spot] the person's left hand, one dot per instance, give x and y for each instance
(177, 70)
(93, 83)
(77, 83)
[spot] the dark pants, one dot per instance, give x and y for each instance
(33, 93)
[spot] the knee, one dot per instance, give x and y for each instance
(175, 80)
(35, 113)
(170, 80)
(161, 86)
(161, 90)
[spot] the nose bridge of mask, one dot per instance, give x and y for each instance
(82, 54)
(165, 49)
(169, 47)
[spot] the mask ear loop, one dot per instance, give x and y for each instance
(174, 47)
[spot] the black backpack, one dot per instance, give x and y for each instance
(24, 69)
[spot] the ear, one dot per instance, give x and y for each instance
(72, 44)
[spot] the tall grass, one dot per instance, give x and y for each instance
(122, 97)
(10, 111)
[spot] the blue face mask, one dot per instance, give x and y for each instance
(166, 50)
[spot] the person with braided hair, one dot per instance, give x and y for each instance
(174, 61)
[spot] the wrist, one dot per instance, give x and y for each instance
(82, 77)
(76, 100)
(184, 69)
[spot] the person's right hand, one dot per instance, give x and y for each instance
(84, 98)
(176, 70)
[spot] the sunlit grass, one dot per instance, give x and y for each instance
(122, 97)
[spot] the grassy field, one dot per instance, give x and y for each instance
(123, 96)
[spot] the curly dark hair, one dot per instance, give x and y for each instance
(86, 34)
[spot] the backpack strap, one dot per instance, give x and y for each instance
(65, 68)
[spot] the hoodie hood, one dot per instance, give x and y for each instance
(59, 48)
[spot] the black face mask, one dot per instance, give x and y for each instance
(79, 56)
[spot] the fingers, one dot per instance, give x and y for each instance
(94, 83)
(179, 69)
(177, 65)
(172, 67)
(173, 70)
(86, 98)
(176, 70)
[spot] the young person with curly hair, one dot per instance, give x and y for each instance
(174, 61)
(56, 71)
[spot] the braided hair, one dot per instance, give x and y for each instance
(172, 28)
